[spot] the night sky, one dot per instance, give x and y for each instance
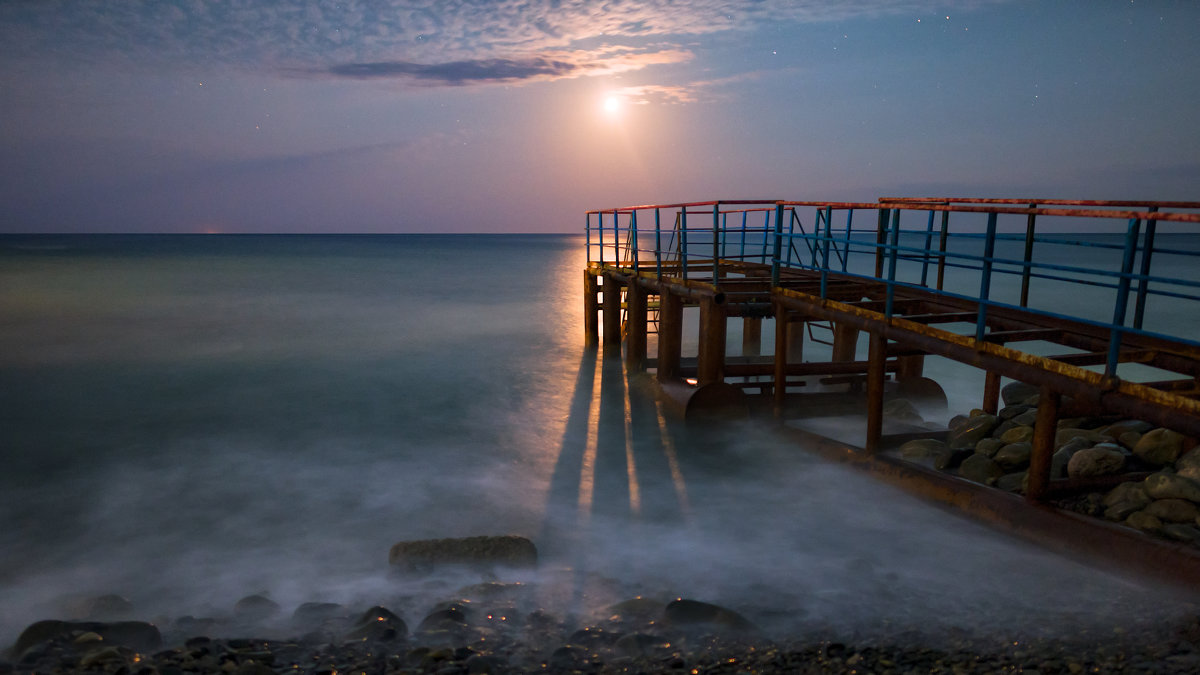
(518, 115)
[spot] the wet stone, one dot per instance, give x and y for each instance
(1014, 456)
(972, 430)
(1172, 486)
(1159, 447)
(256, 607)
(378, 624)
(980, 468)
(1173, 510)
(693, 613)
(1144, 521)
(988, 447)
(1096, 461)
(1017, 393)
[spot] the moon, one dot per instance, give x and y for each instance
(612, 104)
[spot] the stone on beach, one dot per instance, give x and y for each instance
(477, 553)
(1173, 510)
(1124, 500)
(683, 613)
(972, 430)
(980, 469)
(1014, 456)
(136, 635)
(1159, 447)
(1100, 460)
(1017, 393)
(1164, 485)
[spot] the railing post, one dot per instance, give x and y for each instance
(683, 245)
(1118, 323)
(1144, 282)
(587, 235)
(846, 244)
(742, 251)
(633, 239)
(591, 309)
(600, 234)
(778, 244)
(617, 257)
(1025, 269)
(825, 251)
(880, 239)
(657, 244)
(945, 233)
(718, 234)
(985, 285)
(894, 246)
(925, 254)
(1045, 425)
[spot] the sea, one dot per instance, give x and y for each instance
(188, 420)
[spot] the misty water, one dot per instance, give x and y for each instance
(188, 420)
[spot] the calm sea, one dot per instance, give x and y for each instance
(185, 420)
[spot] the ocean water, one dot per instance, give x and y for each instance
(188, 420)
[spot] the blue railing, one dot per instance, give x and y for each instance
(1131, 268)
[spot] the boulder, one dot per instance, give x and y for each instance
(1164, 485)
(1017, 393)
(1117, 429)
(901, 409)
(967, 434)
(683, 613)
(1188, 464)
(1159, 447)
(255, 608)
(1180, 532)
(1059, 461)
(1173, 510)
(1124, 500)
(1144, 521)
(1129, 439)
(922, 448)
(1026, 418)
(1067, 434)
(377, 624)
(1012, 411)
(1012, 482)
(136, 635)
(1014, 456)
(951, 459)
(989, 446)
(1017, 434)
(477, 553)
(980, 469)
(1096, 461)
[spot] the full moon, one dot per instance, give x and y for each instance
(611, 104)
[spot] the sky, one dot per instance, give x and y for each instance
(520, 115)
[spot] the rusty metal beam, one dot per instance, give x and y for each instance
(591, 309)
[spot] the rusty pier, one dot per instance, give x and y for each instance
(839, 308)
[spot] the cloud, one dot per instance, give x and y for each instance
(549, 66)
(297, 34)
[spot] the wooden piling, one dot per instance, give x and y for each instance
(713, 326)
(782, 316)
(612, 311)
(670, 334)
(751, 336)
(991, 392)
(591, 309)
(635, 326)
(845, 342)
(876, 373)
(1045, 428)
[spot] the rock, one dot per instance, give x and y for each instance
(478, 553)
(1003, 428)
(1066, 435)
(951, 459)
(1014, 456)
(109, 607)
(255, 608)
(1124, 500)
(1129, 439)
(1027, 418)
(451, 618)
(568, 658)
(378, 624)
(1117, 429)
(1173, 510)
(693, 613)
(1017, 393)
(1018, 434)
(1188, 464)
(1159, 447)
(1164, 485)
(136, 635)
(634, 645)
(1144, 521)
(1059, 461)
(980, 469)
(922, 448)
(105, 655)
(484, 664)
(1186, 533)
(314, 614)
(1012, 482)
(1097, 461)
(967, 434)
(989, 446)
(1012, 411)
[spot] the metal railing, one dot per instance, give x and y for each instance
(970, 249)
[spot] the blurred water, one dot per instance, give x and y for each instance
(187, 420)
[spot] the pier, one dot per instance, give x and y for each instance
(854, 299)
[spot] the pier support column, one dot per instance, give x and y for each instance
(876, 375)
(751, 336)
(782, 316)
(635, 326)
(591, 309)
(612, 311)
(991, 393)
(845, 342)
(908, 367)
(1045, 427)
(712, 342)
(794, 341)
(670, 334)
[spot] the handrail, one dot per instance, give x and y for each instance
(710, 234)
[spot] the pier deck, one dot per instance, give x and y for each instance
(1099, 324)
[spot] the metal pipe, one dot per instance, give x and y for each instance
(925, 257)
(778, 245)
(1026, 269)
(1045, 426)
(1118, 322)
(945, 233)
(718, 234)
(989, 249)
(657, 245)
(683, 243)
(893, 249)
(1144, 282)
(876, 374)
